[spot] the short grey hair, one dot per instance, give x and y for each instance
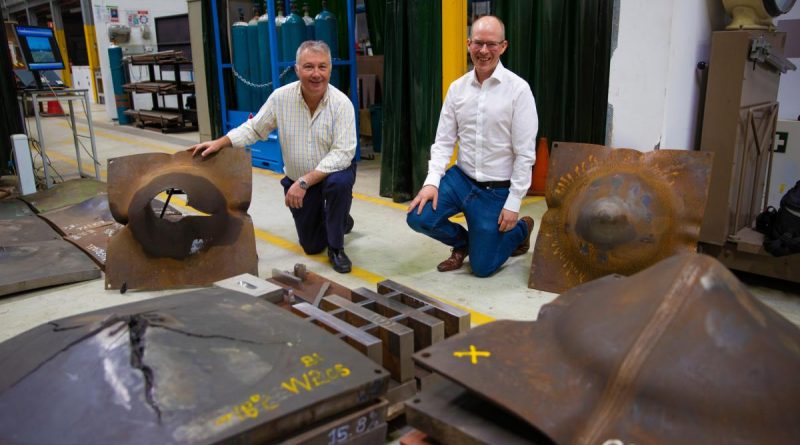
(314, 46)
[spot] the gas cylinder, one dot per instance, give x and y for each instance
(293, 34)
(279, 19)
(325, 29)
(253, 58)
(264, 56)
(309, 23)
(118, 79)
(240, 56)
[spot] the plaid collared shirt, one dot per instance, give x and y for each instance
(325, 141)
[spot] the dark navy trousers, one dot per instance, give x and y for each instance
(321, 221)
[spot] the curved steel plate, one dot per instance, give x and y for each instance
(679, 353)
(155, 253)
(203, 367)
(616, 211)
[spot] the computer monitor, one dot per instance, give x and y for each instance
(39, 49)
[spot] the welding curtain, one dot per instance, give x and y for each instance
(562, 48)
(412, 95)
(11, 123)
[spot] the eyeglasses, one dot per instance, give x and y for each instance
(491, 46)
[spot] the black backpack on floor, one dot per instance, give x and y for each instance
(781, 228)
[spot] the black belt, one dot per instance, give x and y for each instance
(491, 184)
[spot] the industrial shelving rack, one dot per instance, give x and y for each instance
(168, 119)
(267, 154)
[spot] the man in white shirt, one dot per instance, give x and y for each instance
(317, 133)
(490, 112)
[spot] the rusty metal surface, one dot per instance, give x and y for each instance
(64, 194)
(616, 211)
(455, 320)
(397, 340)
(202, 367)
(88, 225)
(45, 263)
(678, 353)
(14, 208)
(450, 414)
(26, 229)
(196, 250)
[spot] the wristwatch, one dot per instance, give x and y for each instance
(303, 184)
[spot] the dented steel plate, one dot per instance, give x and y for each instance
(616, 211)
(89, 224)
(64, 194)
(196, 250)
(14, 208)
(678, 353)
(27, 229)
(45, 263)
(200, 367)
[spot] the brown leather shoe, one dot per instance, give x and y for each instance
(455, 261)
(525, 245)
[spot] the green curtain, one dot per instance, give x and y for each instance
(376, 11)
(412, 98)
(562, 48)
(11, 123)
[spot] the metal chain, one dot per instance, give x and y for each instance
(257, 85)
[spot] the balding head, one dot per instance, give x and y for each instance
(489, 23)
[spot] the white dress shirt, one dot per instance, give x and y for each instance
(495, 125)
(325, 141)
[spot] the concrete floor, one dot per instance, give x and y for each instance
(381, 245)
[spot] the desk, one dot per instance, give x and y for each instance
(38, 96)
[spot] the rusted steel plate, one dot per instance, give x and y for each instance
(202, 367)
(64, 194)
(455, 319)
(450, 414)
(427, 328)
(308, 286)
(27, 229)
(678, 353)
(14, 208)
(365, 343)
(616, 211)
(89, 224)
(41, 264)
(197, 250)
(398, 340)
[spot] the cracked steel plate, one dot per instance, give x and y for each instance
(25, 229)
(680, 353)
(616, 211)
(44, 263)
(196, 250)
(64, 194)
(201, 367)
(14, 208)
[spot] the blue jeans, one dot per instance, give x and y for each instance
(320, 223)
(488, 247)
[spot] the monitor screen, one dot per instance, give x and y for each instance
(39, 48)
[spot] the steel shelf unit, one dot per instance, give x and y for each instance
(267, 154)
